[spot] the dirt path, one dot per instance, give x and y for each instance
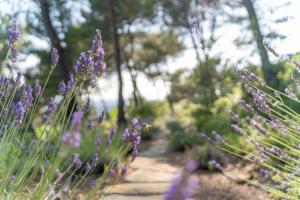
(151, 174)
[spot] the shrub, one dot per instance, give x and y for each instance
(180, 139)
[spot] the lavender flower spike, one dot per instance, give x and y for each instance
(37, 88)
(54, 57)
(14, 34)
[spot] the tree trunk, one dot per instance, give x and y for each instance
(55, 41)
(121, 113)
(134, 85)
(268, 73)
(132, 69)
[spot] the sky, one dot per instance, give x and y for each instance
(157, 90)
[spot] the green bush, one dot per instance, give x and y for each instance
(180, 139)
(146, 110)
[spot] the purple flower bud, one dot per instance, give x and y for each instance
(52, 106)
(235, 116)
(172, 190)
(37, 88)
(238, 130)
(191, 185)
(70, 83)
(19, 113)
(54, 57)
(124, 170)
(71, 138)
(192, 165)
(101, 117)
(217, 165)
(112, 171)
(98, 141)
(218, 137)
(135, 152)
(14, 34)
(207, 138)
(247, 107)
(97, 45)
(62, 88)
(14, 53)
(86, 106)
(27, 97)
(77, 119)
(91, 124)
(134, 122)
(76, 162)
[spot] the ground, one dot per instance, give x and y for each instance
(151, 173)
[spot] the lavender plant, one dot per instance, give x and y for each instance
(31, 167)
(271, 129)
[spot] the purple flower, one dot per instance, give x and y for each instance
(247, 107)
(27, 96)
(172, 191)
(191, 165)
(84, 66)
(71, 138)
(134, 123)
(247, 76)
(112, 171)
(86, 106)
(77, 119)
(14, 34)
(98, 141)
(37, 88)
(124, 170)
(191, 185)
(12, 178)
(54, 57)
(14, 53)
(207, 138)
(91, 124)
(238, 130)
(235, 116)
(52, 106)
(260, 101)
(97, 44)
(19, 113)
(62, 88)
(217, 165)
(101, 117)
(70, 82)
(135, 152)
(258, 127)
(218, 137)
(76, 162)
